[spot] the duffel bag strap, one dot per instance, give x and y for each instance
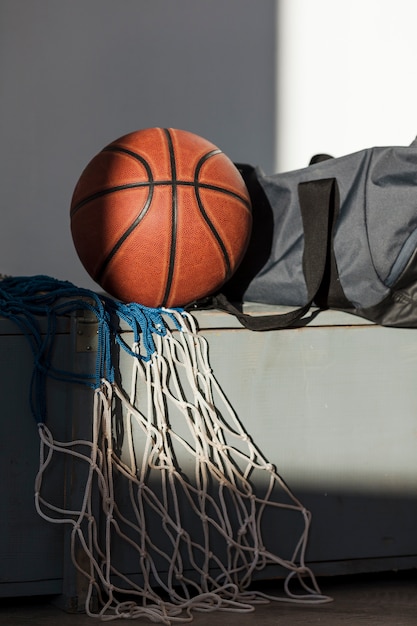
(318, 200)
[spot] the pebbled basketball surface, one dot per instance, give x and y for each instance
(160, 216)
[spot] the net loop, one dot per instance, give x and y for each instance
(170, 475)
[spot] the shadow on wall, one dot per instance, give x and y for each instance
(76, 76)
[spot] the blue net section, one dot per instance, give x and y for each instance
(32, 302)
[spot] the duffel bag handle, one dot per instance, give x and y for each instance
(318, 203)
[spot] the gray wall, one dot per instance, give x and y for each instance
(76, 74)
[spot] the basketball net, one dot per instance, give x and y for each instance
(170, 476)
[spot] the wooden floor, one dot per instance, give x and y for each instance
(382, 600)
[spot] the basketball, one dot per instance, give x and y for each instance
(161, 217)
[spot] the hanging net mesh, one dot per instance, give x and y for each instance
(175, 493)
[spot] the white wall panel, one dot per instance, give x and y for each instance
(346, 77)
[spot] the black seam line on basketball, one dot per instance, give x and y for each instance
(155, 183)
(206, 217)
(140, 215)
(174, 214)
(132, 153)
(101, 270)
(105, 192)
(123, 238)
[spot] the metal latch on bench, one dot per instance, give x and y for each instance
(86, 331)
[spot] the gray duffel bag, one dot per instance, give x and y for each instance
(340, 233)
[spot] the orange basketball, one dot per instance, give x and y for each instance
(161, 217)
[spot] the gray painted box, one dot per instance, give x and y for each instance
(333, 405)
(31, 550)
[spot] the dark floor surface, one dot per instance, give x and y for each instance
(382, 600)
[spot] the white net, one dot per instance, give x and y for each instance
(177, 502)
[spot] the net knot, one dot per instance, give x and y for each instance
(166, 461)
